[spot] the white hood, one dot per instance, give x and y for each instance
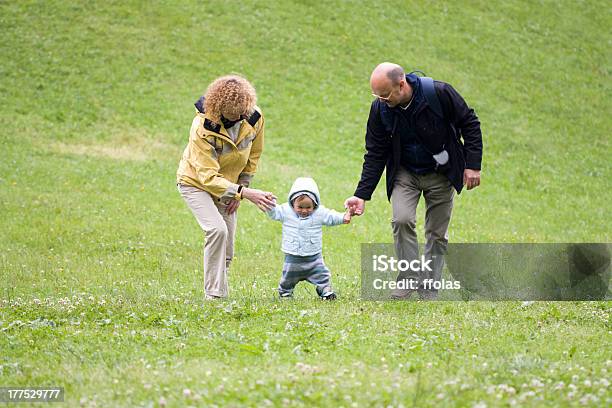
(305, 185)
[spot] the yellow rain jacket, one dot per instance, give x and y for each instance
(213, 162)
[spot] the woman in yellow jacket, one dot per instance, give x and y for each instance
(225, 143)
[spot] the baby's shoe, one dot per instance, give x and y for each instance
(328, 294)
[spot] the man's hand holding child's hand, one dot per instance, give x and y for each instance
(355, 204)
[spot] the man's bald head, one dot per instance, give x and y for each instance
(388, 83)
(385, 74)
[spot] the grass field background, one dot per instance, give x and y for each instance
(102, 288)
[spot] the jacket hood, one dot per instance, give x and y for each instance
(200, 104)
(305, 185)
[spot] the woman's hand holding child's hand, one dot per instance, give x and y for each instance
(265, 200)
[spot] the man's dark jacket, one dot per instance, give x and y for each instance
(436, 133)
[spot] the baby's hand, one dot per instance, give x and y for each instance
(347, 217)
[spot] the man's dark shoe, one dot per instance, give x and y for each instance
(428, 294)
(402, 294)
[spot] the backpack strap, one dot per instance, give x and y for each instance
(431, 96)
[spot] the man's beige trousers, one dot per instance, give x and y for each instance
(438, 194)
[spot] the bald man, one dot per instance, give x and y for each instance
(423, 154)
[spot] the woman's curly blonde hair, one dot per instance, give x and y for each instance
(229, 95)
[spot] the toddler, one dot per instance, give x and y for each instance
(302, 218)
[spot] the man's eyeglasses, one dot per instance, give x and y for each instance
(383, 98)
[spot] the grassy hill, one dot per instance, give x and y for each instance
(101, 260)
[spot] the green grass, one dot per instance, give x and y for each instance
(100, 259)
